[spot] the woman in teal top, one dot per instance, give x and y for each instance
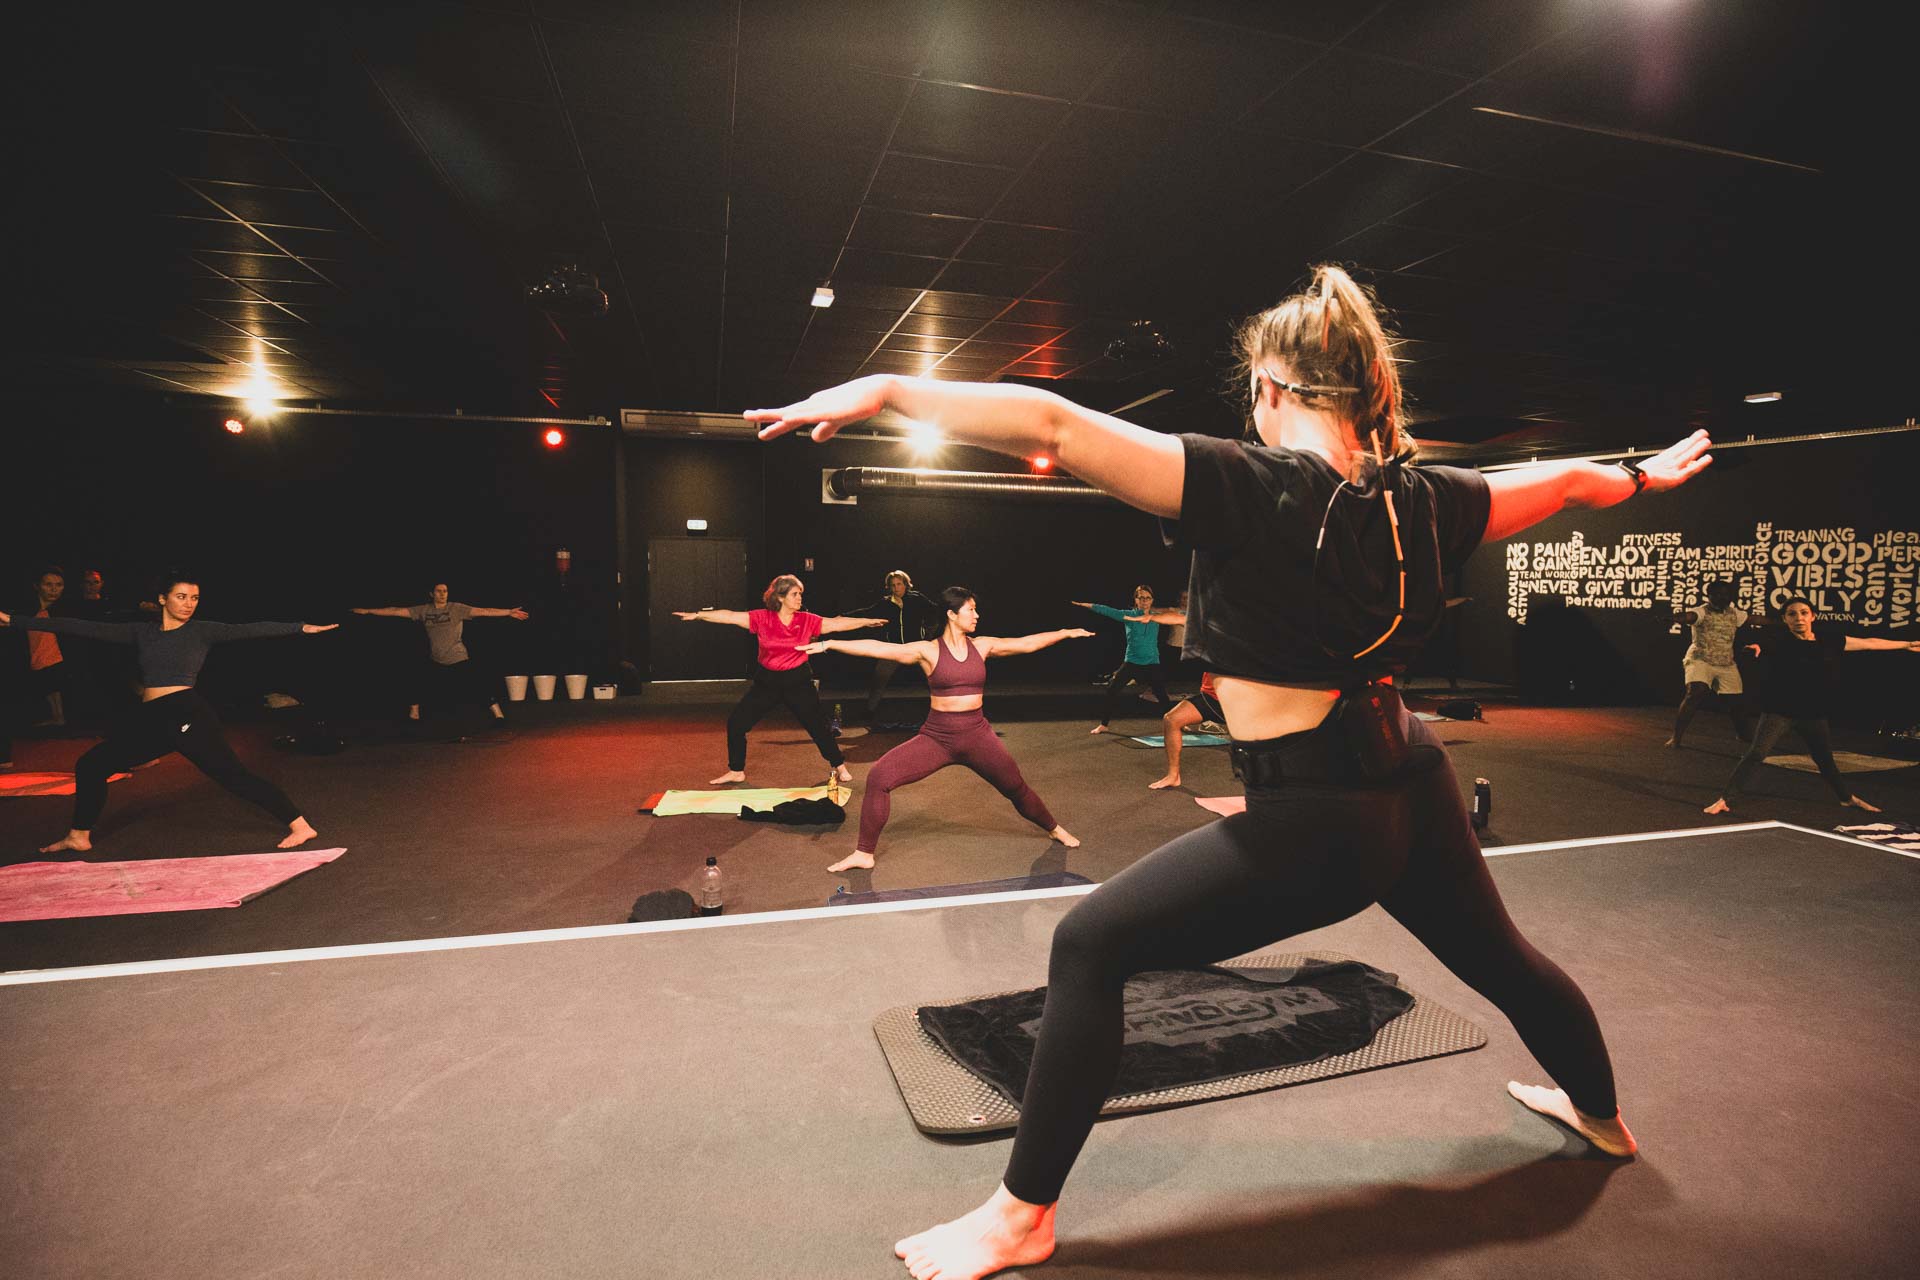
(1142, 663)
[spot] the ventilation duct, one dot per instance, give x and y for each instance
(848, 483)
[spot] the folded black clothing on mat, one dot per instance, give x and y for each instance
(798, 813)
(1187, 1026)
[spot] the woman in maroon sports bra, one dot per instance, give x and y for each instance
(956, 732)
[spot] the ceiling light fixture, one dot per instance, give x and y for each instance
(1763, 397)
(823, 297)
(234, 426)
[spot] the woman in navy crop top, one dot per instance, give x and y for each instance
(172, 716)
(956, 730)
(1317, 561)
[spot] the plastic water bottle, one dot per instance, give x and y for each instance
(708, 894)
(1482, 804)
(833, 725)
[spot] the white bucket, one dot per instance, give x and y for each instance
(516, 688)
(576, 687)
(543, 687)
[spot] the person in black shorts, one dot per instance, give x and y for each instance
(1318, 560)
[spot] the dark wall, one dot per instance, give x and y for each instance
(1024, 559)
(310, 516)
(1833, 520)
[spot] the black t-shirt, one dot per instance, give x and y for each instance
(1252, 515)
(1799, 676)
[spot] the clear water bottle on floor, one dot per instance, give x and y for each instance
(1482, 803)
(708, 893)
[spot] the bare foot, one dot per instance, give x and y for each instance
(1003, 1232)
(1718, 806)
(843, 773)
(76, 841)
(1672, 742)
(731, 775)
(299, 831)
(1099, 728)
(853, 860)
(1855, 802)
(1610, 1135)
(1171, 780)
(1065, 837)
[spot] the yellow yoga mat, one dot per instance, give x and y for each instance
(673, 803)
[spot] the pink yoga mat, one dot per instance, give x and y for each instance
(1225, 806)
(59, 890)
(41, 784)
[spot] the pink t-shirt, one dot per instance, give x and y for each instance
(780, 646)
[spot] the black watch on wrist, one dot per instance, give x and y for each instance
(1633, 469)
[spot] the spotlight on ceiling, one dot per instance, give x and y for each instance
(259, 408)
(234, 426)
(1763, 397)
(922, 440)
(554, 437)
(569, 290)
(1041, 463)
(823, 297)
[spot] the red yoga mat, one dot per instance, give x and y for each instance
(42, 784)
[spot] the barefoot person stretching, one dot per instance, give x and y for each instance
(783, 675)
(1333, 822)
(956, 730)
(1796, 693)
(172, 716)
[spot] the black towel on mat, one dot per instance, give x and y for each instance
(1187, 1026)
(798, 813)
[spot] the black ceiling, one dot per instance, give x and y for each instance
(1594, 220)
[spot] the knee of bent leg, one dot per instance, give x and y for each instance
(1084, 942)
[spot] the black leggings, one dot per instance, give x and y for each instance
(1766, 736)
(1699, 695)
(1302, 856)
(1130, 673)
(792, 688)
(182, 722)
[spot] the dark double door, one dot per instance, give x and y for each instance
(696, 573)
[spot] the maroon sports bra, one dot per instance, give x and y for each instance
(956, 679)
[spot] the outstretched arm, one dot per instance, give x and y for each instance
(1104, 610)
(1857, 643)
(830, 625)
(731, 617)
(1001, 647)
(1525, 496)
(516, 613)
(1165, 617)
(915, 652)
(1142, 468)
(398, 611)
(221, 632)
(85, 628)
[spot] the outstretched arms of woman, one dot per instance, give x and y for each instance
(1857, 643)
(1142, 468)
(86, 628)
(915, 652)
(731, 617)
(830, 625)
(1525, 496)
(1001, 647)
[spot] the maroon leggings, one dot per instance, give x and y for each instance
(948, 737)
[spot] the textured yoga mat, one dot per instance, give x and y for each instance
(1849, 762)
(42, 784)
(60, 890)
(944, 1097)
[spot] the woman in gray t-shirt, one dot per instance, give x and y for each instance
(444, 620)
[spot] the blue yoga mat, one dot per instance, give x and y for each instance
(1186, 740)
(1050, 880)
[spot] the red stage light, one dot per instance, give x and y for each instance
(554, 437)
(234, 426)
(1042, 463)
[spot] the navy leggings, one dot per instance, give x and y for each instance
(182, 722)
(1304, 855)
(948, 737)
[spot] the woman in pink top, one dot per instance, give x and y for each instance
(782, 675)
(956, 731)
